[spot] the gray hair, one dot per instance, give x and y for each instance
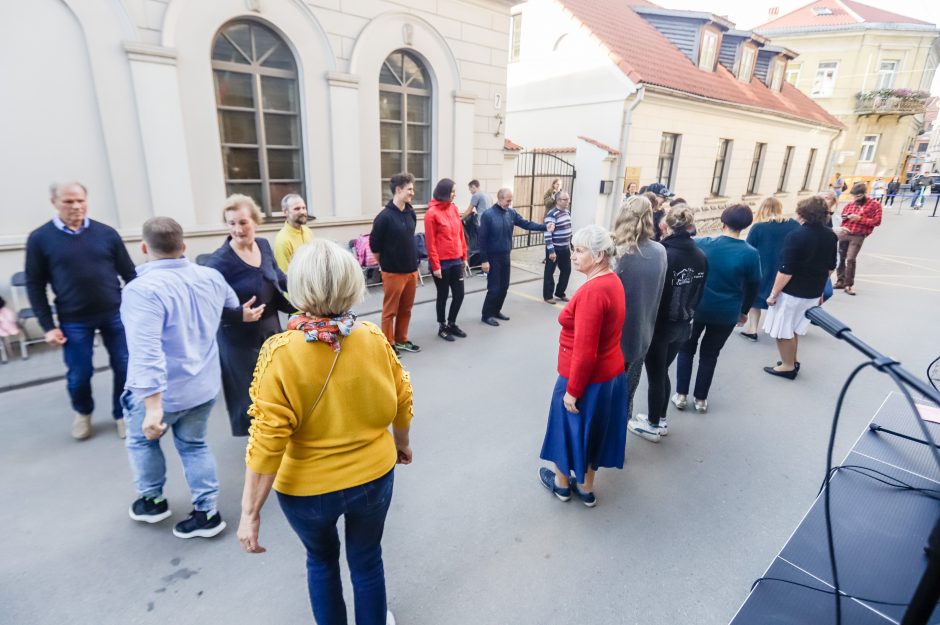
(324, 279)
(502, 192)
(598, 241)
(289, 199)
(56, 187)
(829, 197)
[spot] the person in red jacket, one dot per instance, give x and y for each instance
(587, 417)
(859, 219)
(447, 255)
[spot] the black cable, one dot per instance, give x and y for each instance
(828, 592)
(891, 481)
(930, 379)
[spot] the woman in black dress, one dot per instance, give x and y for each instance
(247, 263)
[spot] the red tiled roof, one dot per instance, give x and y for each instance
(647, 57)
(842, 13)
(512, 147)
(600, 145)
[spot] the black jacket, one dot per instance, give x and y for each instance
(496, 226)
(393, 239)
(686, 269)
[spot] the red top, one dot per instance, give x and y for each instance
(871, 217)
(589, 345)
(443, 232)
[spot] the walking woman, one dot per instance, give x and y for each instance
(766, 236)
(552, 194)
(732, 283)
(587, 416)
(681, 288)
(324, 395)
(447, 256)
(806, 261)
(641, 267)
(248, 265)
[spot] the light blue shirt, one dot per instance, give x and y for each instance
(61, 225)
(171, 313)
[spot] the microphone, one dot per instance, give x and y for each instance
(827, 322)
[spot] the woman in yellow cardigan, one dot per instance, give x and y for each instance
(323, 397)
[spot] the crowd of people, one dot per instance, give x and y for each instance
(326, 404)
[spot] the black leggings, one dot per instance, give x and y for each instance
(451, 280)
(667, 338)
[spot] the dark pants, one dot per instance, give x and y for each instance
(849, 247)
(634, 373)
(314, 520)
(239, 346)
(563, 262)
(715, 335)
(889, 201)
(451, 281)
(667, 338)
(78, 352)
(497, 283)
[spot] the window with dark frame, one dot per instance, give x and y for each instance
(809, 169)
(721, 167)
(258, 104)
(665, 169)
(785, 170)
(405, 123)
(757, 164)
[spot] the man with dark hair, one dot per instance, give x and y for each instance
(82, 259)
(392, 241)
(173, 308)
(859, 220)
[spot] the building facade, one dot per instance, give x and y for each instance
(164, 107)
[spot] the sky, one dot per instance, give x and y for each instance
(749, 13)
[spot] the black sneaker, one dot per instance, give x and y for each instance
(408, 346)
(444, 333)
(198, 524)
(149, 510)
(456, 331)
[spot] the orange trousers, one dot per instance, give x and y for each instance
(396, 307)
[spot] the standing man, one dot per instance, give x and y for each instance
(859, 219)
(82, 260)
(839, 185)
(557, 249)
(174, 309)
(393, 243)
(495, 246)
(295, 231)
(479, 202)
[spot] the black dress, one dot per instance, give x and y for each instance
(240, 342)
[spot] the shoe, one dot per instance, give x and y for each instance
(663, 427)
(701, 406)
(641, 426)
(198, 523)
(780, 362)
(561, 298)
(790, 375)
(680, 401)
(389, 618)
(149, 510)
(849, 291)
(749, 336)
(81, 427)
(501, 316)
(121, 428)
(454, 329)
(547, 478)
(490, 321)
(588, 499)
(408, 346)
(396, 350)
(839, 285)
(444, 333)
(550, 301)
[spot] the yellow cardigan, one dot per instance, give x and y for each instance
(346, 442)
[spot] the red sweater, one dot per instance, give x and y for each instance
(589, 345)
(443, 232)
(870, 213)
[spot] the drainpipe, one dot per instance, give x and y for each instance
(827, 173)
(617, 195)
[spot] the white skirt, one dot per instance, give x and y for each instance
(788, 316)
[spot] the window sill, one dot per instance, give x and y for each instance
(712, 200)
(781, 194)
(806, 192)
(751, 196)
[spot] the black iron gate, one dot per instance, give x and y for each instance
(535, 172)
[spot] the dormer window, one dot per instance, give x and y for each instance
(746, 64)
(709, 51)
(777, 72)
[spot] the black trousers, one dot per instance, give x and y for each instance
(715, 335)
(668, 337)
(497, 283)
(451, 281)
(563, 262)
(889, 201)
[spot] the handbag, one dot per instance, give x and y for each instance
(325, 382)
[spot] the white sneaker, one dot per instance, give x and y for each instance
(701, 406)
(641, 426)
(680, 401)
(389, 618)
(663, 427)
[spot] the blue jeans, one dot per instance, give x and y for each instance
(189, 434)
(78, 352)
(314, 520)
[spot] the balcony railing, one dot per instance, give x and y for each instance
(889, 105)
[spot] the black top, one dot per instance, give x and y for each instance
(393, 239)
(808, 255)
(83, 270)
(686, 270)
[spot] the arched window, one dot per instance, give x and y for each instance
(258, 102)
(405, 118)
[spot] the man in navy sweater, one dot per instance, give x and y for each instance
(81, 259)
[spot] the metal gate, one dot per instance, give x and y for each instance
(535, 172)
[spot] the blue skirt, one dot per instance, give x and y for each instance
(595, 437)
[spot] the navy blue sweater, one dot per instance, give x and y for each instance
(496, 226)
(83, 270)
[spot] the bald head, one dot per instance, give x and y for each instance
(504, 197)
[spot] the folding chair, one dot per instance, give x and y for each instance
(23, 312)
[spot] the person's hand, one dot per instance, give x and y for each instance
(742, 320)
(552, 256)
(248, 528)
(437, 274)
(55, 337)
(249, 314)
(772, 300)
(853, 217)
(485, 267)
(404, 455)
(822, 300)
(571, 404)
(153, 425)
(550, 227)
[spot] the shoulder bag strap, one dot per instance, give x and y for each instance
(325, 382)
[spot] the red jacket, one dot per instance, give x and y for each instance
(871, 217)
(443, 233)
(589, 345)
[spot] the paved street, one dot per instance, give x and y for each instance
(472, 538)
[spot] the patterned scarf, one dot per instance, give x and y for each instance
(324, 329)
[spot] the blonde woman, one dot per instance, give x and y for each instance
(641, 267)
(324, 395)
(766, 236)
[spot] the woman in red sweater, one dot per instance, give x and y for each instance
(587, 419)
(447, 255)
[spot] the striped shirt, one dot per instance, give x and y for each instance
(562, 235)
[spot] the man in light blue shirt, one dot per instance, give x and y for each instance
(173, 312)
